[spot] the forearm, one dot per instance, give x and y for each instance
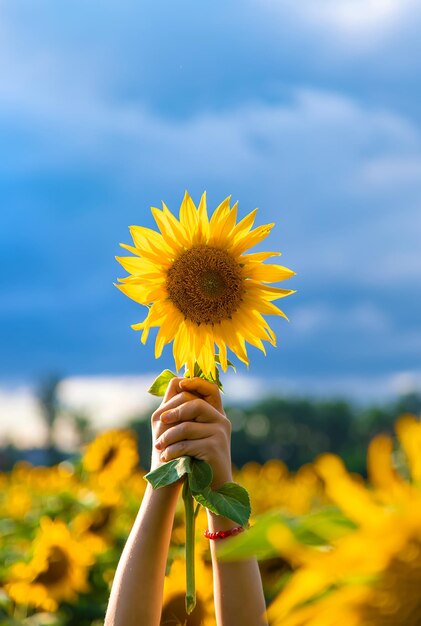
(136, 594)
(238, 592)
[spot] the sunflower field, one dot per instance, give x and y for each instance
(332, 547)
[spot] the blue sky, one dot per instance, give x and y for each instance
(309, 110)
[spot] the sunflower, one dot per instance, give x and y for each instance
(372, 575)
(173, 605)
(57, 571)
(272, 486)
(201, 287)
(112, 456)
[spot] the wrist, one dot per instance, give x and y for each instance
(220, 477)
(168, 494)
(218, 522)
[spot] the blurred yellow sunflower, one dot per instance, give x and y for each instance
(372, 575)
(96, 525)
(200, 285)
(17, 502)
(112, 456)
(173, 605)
(272, 486)
(57, 571)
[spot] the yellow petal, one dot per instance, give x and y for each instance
(305, 584)
(352, 497)
(191, 331)
(220, 212)
(181, 347)
(263, 306)
(256, 289)
(243, 227)
(249, 329)
(170, 233)
(150, 243)
(223, 355)
(131, 249)
(157, 315)
(259, 325)
(140, 267)
(251, 239)
(257, 256)
(146, 278)
(203, 221)
(188, 214)
(227, 333)
(220, 235)
(268, 273)
(379, 462)
(179, 231)
(166, 334)
(143, 294)
(206, 357)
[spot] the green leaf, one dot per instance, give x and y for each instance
(201, 476)
(216, 380)
(160, 384)
(229, 363)
(314, 529)
(321, 527)
(253, 543)
(198, 373)
(169, 472)
(230, 500)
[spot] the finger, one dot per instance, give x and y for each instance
(173, 402)
(198, 410)
(173, 388)
(186, 447)
(183, 431)
(208, 391)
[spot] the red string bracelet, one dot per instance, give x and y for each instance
(222, 534)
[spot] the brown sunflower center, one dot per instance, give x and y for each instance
(100, 519)
(174, 612)
(57, 568)
(396, 599)
(205, 284)
(109, 456)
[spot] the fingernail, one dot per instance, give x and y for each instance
(162, 456)
(168, 416)
(158, 445)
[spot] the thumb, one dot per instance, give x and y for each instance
(208, 391)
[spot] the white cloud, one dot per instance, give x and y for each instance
(392, 171)
(20, 417)
(108, 399)
(111, 401)
(360, 18)
(364, 317)
(406, 382)
(353, 25)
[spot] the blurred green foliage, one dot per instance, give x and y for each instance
(292, 429)
(296, 430)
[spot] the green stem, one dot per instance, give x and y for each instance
(190, 541)
(20, 613)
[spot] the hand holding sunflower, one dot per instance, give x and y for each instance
(194, 423)
(204, 294)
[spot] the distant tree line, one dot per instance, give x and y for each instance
(296, 430)
(292, 429)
